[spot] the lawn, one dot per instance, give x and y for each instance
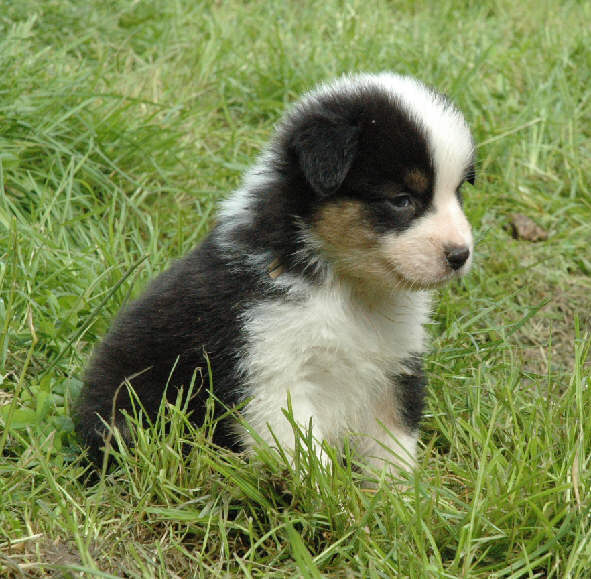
(122, 123)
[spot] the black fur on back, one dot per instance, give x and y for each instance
(189, 312)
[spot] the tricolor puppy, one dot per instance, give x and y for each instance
(315, 283)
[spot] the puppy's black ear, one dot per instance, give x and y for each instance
(325, 148)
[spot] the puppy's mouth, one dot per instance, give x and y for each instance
(414, 281)
(425, 263)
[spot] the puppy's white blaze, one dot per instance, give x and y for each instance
(449, 223)
(450, 141)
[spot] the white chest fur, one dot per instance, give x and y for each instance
(333, 356)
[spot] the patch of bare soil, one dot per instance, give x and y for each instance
(37, 556)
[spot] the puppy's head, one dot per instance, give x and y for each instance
(383, 159)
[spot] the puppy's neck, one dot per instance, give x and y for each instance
(375, 297)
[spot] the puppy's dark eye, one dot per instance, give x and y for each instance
(393, 213)
(402, 201)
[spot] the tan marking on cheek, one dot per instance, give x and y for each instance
(416, 180)
(349, 240)
(343, 227)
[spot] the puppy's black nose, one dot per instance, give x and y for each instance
(456, 255)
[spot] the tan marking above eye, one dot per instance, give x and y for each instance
(416, 180)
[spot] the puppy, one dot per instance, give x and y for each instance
(314, 286)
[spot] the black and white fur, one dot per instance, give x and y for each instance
(315, 282)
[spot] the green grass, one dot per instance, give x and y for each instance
(121, 125)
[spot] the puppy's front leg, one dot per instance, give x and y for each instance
(388, 442)
(276, 418)
(392, 447)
